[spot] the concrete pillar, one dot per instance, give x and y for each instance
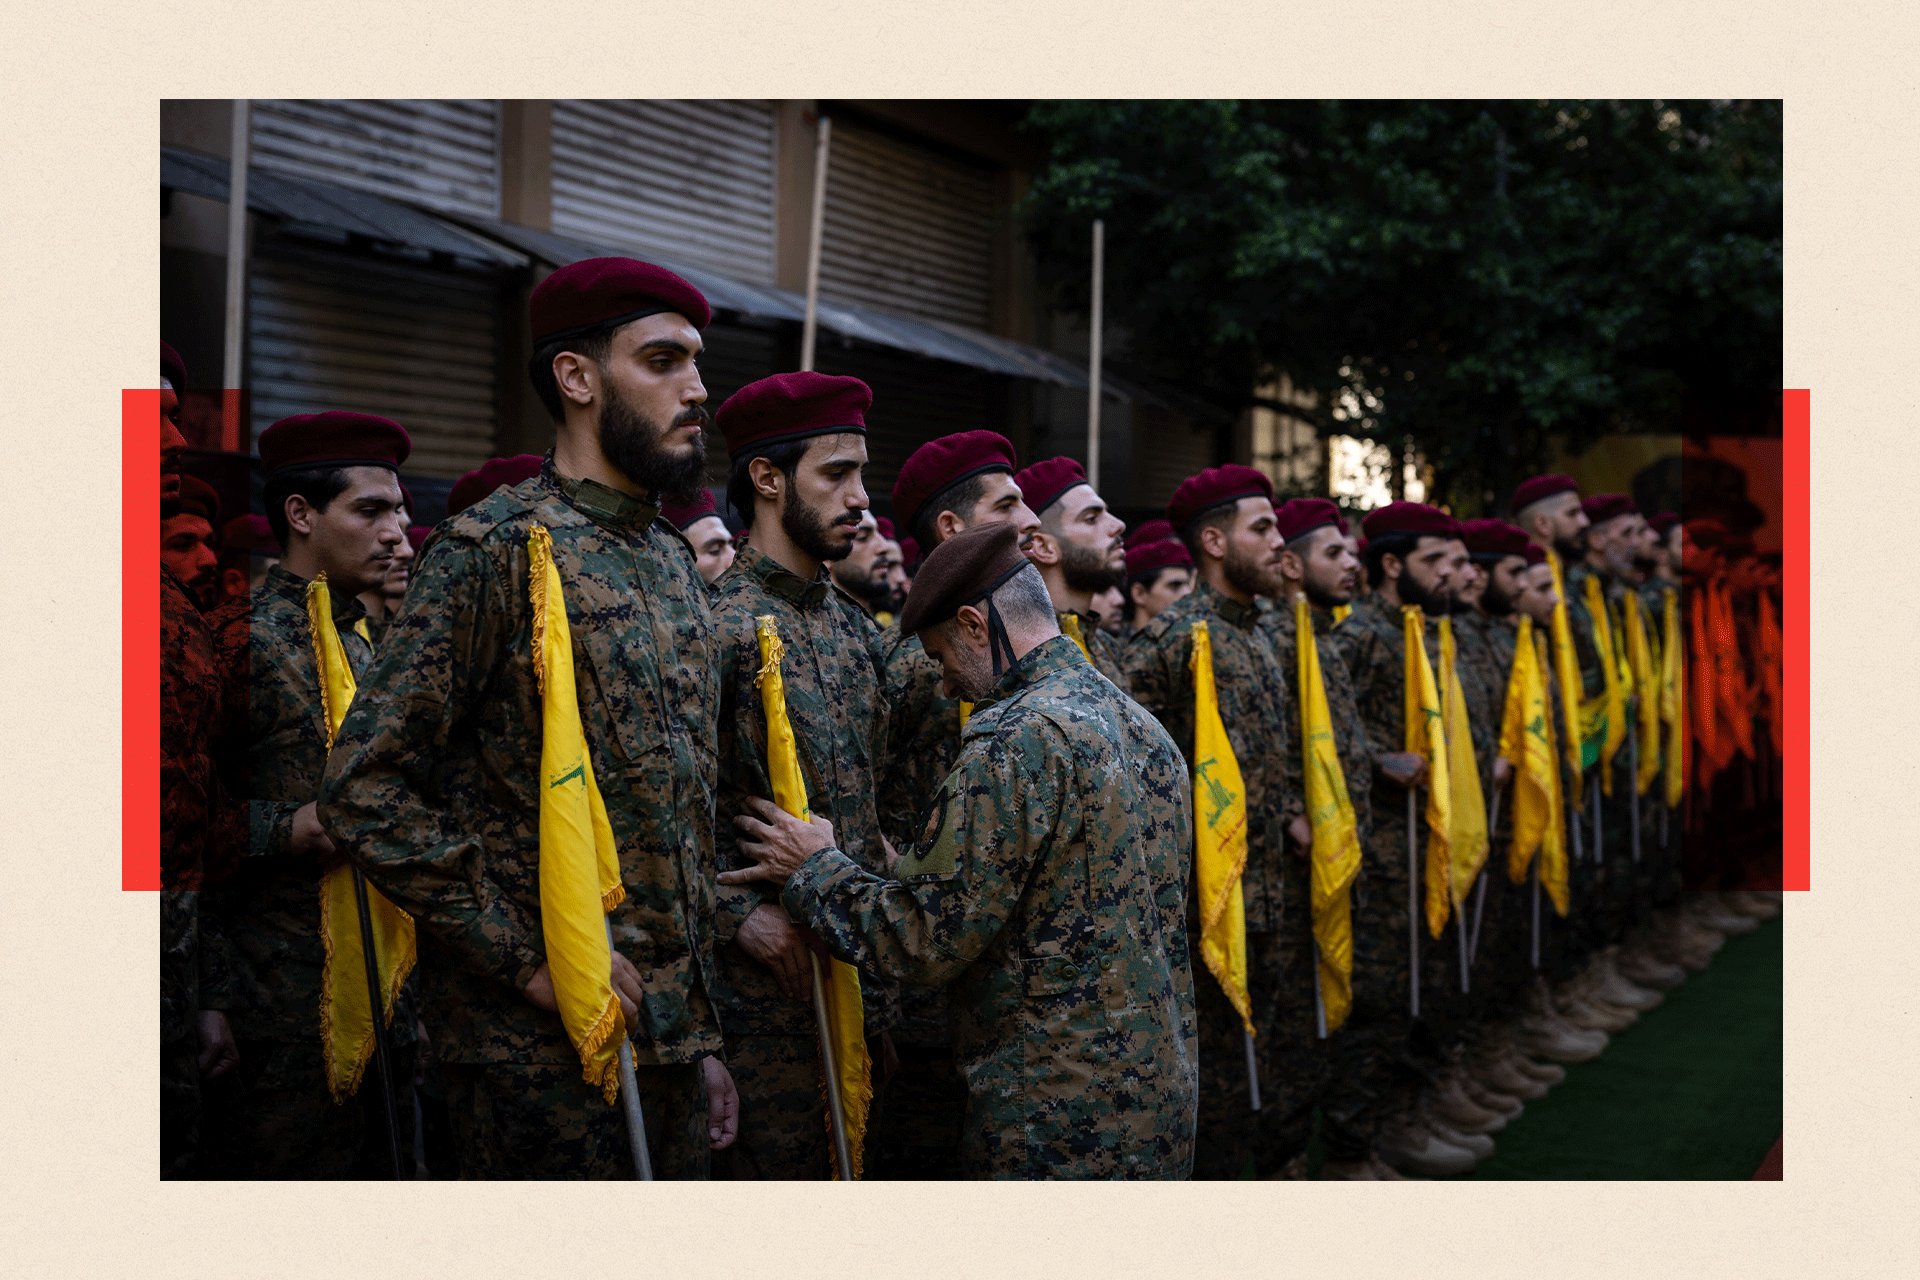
(526, 162)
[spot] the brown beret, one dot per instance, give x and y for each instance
(792, 406)
(333, 439)
(938, 465)
(197, 498)
(1302, 516)
(1416, 518)
(1215, 487)
(494, 473)
(598, 292)
(964, 569)
(1531, 491)
(1047, 481)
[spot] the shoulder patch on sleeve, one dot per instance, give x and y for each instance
(933, 858)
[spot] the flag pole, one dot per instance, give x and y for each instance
(830, 1063)
(1253, 1072)
(1319, 999)
(810, 325)
(1480, 894)
(1094, 309)
(1460, 930)
(1573, 818)
(630, 1098)
(1413, 907)
(1633, 789)
(1536, 909)
(379, 1009)
(1597, 794)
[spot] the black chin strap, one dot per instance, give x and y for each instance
(996, 637)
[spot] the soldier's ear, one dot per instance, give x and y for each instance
(299, 514)
(972, 625)
(1213, 541)
(1045, 549)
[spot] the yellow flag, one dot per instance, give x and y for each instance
(1340, 612)
(1553, 841)
(1336, 833)
(1566, 671)
(1646, 688)
(1220, 834)
(1616, 689)
(1467, 837)
(346, 1014)
(579, 867)
(1526, 741)
(966, 711)
(1070, 623)
(1673, 703)
(846, 1018)
(1427, 736)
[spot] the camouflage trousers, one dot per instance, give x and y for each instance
(1291, 1063)
(783, 1113)
(542, 1120)
(272, 1116)
(914, 1130)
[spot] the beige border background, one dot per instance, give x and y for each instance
(80, 90)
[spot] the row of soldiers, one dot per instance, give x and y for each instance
(608, 807)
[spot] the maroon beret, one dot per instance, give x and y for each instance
(1047, 481)
(1360, 546)
(1602, 507)
(1494, 538)
(1531, 491)
(492, 474)
(792, 406)
(1301, 516)
(1664, 522)
(417, 536)
(938, 465)
(1151, 531)
(249, 533)
(886, 528)
(1535, 555)
(1215, 487)
(909, 552)
(197, 498)
(596, 292)
(172, 367)
(406, 498)
(1149, 556)
(333, 439)
(682, 514)
(962, 570)
(1410, 517)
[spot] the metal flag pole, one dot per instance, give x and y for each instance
(1480, 893)
(1460, 930)
(829, 1061)
(235, 336)
(379, 1009)
(1633, 791)
(1319, 999)
(810, 325)
(1597, 794)
(1573, 821)
(1536, 909)
(630, 1099)
(1093, 352)
(1413, 908)
(1253, 1072)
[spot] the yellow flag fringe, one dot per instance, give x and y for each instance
(346, 1018)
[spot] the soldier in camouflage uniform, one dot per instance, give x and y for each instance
(798, 444)
(948, 484)
(1407, 558)
(700, 524)
(1048, 888)
(195, 1038)
(1225, 515)
(334, 503)
(1080, 552)
(1361, 1055)
(433, 785)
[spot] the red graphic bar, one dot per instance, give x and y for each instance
(140, 640)
(1796, 469)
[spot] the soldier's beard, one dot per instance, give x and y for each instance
(1248, 574)
(1435, 604)
(868, 585)
(1495, 601)
(1574, 548)
(810, 533)
(636, 447)
(1327, 597)
(970, 673)
(1085, 569)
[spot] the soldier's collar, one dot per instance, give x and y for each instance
(600, 503)
(292, 588)
(1240, 615)
(1045, 658)
(782, 581)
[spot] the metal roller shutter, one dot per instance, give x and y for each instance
(441, 153)
(914, 401)
(690, 180)
(326, 331)
(907, 229)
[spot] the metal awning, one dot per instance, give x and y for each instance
(336, 214)
(936, 340)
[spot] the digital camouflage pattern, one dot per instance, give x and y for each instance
(1255, 711)
(1349, 731)
(1048, 889)
(433, 783)
(515, 1120)
(831, 673)
(1102, 651)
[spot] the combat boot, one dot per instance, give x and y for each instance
(1483, 1094)
(1479, 1145)
(1541, 1032)
(1576, 1004)
(1616, 988)
(1708, 910)
(1748, 903)
(1641, 965)
(1294, 1170)
(1449, 1102)
(1418, 1150)
(1499, 1073)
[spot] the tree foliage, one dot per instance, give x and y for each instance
(1475, 275)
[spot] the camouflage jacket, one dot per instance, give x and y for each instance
(272, 752)
(433, 787)
(1592, 679)
(1049, 889)
(832, 677)
(922, 742)
(196, 819)
(1349, 732)
(1483, 679)
(1254, 708)
(1102, 651)
(1372, 644)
